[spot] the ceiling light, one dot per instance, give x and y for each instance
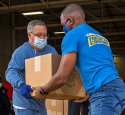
(33, 13)
(59, 32)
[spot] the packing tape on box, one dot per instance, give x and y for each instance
(37, 64)
(59, 91)
(59, 113)
(53, 102)
(49, 112)
(81, 91)
(53, 113)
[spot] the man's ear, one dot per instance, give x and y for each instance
(29, 35)
(71, 20)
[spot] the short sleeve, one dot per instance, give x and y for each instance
(69, 43)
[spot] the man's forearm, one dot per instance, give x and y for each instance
(55, 83)
(63, 73)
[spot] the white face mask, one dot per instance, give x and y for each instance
(40, 43)
(1, 85)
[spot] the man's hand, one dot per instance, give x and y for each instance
(38, 95)
(82, 99)
(24, 89)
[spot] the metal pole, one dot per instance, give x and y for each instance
(117, 8)
(102, 11)
(110, 27)
(13, 32)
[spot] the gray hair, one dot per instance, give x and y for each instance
(71, 8)
(31, 24)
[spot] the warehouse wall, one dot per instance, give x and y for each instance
(6, 43)
(5, 49)
(21, 37)
(121, 63)
(4, 60)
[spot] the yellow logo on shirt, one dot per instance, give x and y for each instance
(93, 40)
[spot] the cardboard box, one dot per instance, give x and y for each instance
(65, 107)
(55, 107)
(39, 70)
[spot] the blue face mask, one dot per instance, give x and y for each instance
(65, 29)
(40, 43)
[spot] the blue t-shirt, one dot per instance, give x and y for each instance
(94, 56)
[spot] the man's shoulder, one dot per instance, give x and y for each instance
(49, 46)
(22, 48)
(3, 88)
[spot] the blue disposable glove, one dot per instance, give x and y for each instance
(24, 89)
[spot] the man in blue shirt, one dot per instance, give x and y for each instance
(86, 49)
(23, 103)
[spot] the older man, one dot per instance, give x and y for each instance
(90, 52)
(23, 103)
